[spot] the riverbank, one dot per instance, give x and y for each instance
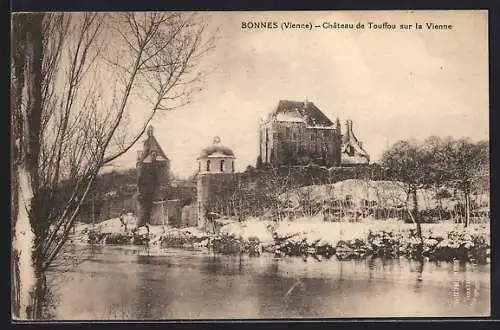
(307, 237)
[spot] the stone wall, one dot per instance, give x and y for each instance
(213, 192)
(189, 217)
(106, 209)
(294, 143)
(153, 179)
(166, 212)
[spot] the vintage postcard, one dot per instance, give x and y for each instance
(250, 165)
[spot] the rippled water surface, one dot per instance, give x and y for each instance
(134, 283)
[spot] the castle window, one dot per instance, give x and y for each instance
(222, 165)
(199, 166)
(208, 165)
(350, 151)
(287, 132)
(232, 166)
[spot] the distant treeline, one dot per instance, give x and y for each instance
(442, 164)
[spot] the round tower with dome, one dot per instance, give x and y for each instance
(215, 182)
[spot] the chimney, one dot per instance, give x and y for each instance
(139, 155)
(337, 126)
(150, 130)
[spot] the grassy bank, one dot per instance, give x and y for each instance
(311, 237)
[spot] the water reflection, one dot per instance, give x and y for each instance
(130, 283)
(146, 295)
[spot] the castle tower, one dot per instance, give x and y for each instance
(153, 168)
(215, 182)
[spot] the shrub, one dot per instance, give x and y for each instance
(293, 248)
(175, 239)
(352, 249)
(384, 243)
(118, 238)
(226, 244)
(96, 237)
(140, 239)
(253, 246)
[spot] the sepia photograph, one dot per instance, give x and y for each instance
(211, 165)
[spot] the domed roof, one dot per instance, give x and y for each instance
(216, 150)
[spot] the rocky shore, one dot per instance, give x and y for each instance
(308, 237)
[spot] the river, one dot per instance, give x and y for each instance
(135, 283)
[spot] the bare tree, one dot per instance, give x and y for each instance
(279, 189)
(67, 124)
(407, 163)
(462, 162)
(27, 50)
(437, 163)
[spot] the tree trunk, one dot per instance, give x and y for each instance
(467, 208)
(37, 296)
(18, 61)
(27, 227)
(416, 219)
(23, 246)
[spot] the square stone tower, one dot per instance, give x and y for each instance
(153, 168)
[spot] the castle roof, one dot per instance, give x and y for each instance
(216, 150)
(151, 146)
(296, 111)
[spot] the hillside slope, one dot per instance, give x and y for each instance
(380, 193)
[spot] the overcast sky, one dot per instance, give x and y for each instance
(393, 84)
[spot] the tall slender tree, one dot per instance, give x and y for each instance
(69, 119)
(463, 161)
(406, 162)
